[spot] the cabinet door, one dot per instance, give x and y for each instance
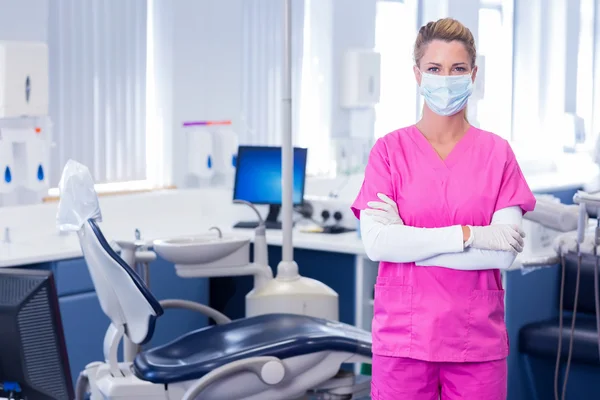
(165, 284)
(84, 324)
(72, 277)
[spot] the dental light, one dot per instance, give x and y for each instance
(289, 292)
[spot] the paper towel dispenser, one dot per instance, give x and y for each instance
(23, 79)
(360, 78)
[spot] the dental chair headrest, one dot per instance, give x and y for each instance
(123, 296)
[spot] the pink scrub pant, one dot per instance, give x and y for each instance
(395, 378)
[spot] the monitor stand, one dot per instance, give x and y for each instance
(271, 221)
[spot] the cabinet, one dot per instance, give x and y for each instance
(85, 324)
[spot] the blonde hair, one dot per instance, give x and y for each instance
(448, 30)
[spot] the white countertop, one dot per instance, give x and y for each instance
(34, 238)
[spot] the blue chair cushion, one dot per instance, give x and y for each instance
(541, 339)
(280, 335)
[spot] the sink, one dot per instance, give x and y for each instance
(204, 249)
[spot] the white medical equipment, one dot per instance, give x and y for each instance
(211, 153)
(588, 204)
(546, 222)
(288, 292)
(272, 356)
(210, 255)
(25, 129)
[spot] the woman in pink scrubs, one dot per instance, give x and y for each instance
(440, 208)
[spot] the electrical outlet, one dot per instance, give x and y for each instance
(333, 206)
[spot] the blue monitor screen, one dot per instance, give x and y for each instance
(258, 175)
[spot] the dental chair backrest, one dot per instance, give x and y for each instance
(123, 296)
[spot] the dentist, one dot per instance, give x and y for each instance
(440, 208)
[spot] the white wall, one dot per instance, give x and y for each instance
(24, 20)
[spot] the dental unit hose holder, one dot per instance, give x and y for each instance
(588, 203)
(261, 255)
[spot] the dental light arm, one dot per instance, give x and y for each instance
(287, 268)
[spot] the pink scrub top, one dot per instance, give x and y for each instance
(435, 313)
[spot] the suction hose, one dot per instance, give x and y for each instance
(261, 221)
(581, 223)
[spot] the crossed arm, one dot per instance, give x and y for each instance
(441, 247)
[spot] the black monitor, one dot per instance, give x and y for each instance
(33, 357)
(258, 180)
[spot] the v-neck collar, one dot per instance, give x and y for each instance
(455, 155)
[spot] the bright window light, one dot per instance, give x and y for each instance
(495, 44)
(115, 187)
(154, 135)
(395, 33)
(585, 66)
(315, 99)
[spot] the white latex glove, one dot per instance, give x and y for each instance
(384, 211)
(500, 237)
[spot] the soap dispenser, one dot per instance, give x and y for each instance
(6, 167)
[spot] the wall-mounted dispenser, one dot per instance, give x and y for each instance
(6, 167)
(25, 129)
(23, 79)
(211, 153)
(360, 85)
(200, 156)
(226, 148)
(25, 145)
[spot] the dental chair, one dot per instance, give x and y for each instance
(268, 357)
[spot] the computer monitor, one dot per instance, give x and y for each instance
(258, 180)
(33, 356)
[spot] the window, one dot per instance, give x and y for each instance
(315, 100)
(98, 87)
(585, 68)
(395, 33)
(494, 111)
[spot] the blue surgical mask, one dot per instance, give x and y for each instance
(446, 95)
